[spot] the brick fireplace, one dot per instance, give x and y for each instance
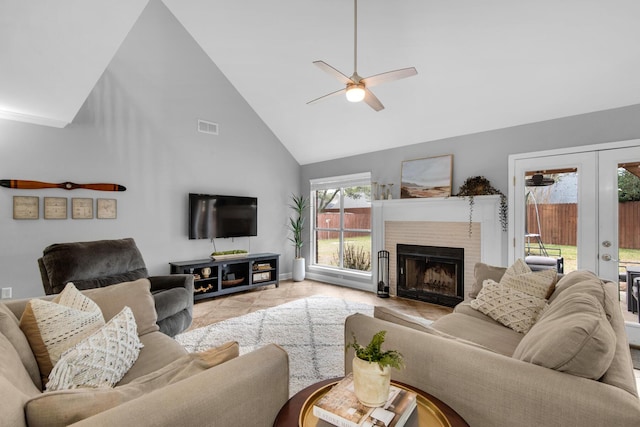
(440, 222)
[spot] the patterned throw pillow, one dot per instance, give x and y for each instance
(537, 283)
(101, 359)
(52, 327)
(514, 309)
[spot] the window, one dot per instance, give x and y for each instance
(341, 233)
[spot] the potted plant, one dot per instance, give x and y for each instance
(372, 370)
(480, 186)
(296, 226)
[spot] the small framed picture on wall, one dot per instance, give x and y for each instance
(55, 208)
(81, 208)
(26, 207)
(107, 208)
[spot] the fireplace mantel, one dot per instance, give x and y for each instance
(439, 214)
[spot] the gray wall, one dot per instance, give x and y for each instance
(487, 153)
(137, 128)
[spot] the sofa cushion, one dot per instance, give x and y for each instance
(513, 308)
(398, 318)
(10, 328)
(52, 327)
(537, 283)
(482, 272)
(572, 336)
(101, 359)
(577, 277)
(422, 325)
(159, 350)
(136, 295)
(490, 335)
(16, 385)
(61, 408)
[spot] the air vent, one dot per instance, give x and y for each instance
(207, 127)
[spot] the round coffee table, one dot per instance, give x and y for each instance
(297, 412)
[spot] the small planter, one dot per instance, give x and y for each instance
(298, 269)
(371, 382)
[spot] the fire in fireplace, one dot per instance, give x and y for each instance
(431, 273)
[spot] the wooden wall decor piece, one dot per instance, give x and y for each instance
(34, 185)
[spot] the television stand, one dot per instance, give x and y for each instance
(230, 275)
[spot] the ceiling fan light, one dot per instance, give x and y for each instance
(355, 93)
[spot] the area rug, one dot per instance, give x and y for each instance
(311, 330)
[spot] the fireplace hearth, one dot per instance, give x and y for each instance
(432, 274)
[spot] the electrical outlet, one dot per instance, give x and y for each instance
(6, 293)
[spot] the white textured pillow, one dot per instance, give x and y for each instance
(537, 283)
(101, 359)
(514, 309)
(52, 327)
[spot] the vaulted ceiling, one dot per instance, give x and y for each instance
(482, 65)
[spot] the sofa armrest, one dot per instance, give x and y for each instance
(159, 283)
(488, 389)
(246, 391)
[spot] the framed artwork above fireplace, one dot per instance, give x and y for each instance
(428, 177)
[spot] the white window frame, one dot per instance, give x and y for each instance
(342, 181)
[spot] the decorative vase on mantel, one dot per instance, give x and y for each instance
(371, 383)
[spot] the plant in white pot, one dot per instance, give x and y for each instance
(372, 370)
(296, 226)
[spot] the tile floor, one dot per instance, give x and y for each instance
(214, 310)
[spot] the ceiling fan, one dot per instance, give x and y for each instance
(356, 87)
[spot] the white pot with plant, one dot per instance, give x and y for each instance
(372, 370)
(296, 226)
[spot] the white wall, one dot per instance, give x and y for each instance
(138, 129)
(487, 153)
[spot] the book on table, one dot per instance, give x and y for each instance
(340, 407)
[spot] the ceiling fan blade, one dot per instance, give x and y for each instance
(329, 95)
(372, 101)
(335, 73)
(389, 76)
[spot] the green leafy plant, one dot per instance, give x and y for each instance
(231, 252)
(355, 258)
(296, 224)
(480, 186)
(373, 352)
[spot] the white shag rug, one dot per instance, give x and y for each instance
(311, 330)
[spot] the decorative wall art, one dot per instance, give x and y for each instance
(107, 208)
(26, 207)
(81, 208)
(55, 208)
(427, 177)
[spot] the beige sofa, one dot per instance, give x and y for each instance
(493, 376)
(165, 387)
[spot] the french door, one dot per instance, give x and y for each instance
(595, 170)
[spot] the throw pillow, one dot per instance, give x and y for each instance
(572, 336)
(482, 272)
(10, 328)
(136, 295)
(52, 327)
(102, 358)
(62, 408)
(514, 309)
(537, 283)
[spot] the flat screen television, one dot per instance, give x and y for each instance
(212, 216)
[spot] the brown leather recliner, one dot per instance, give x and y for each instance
(107, 262)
